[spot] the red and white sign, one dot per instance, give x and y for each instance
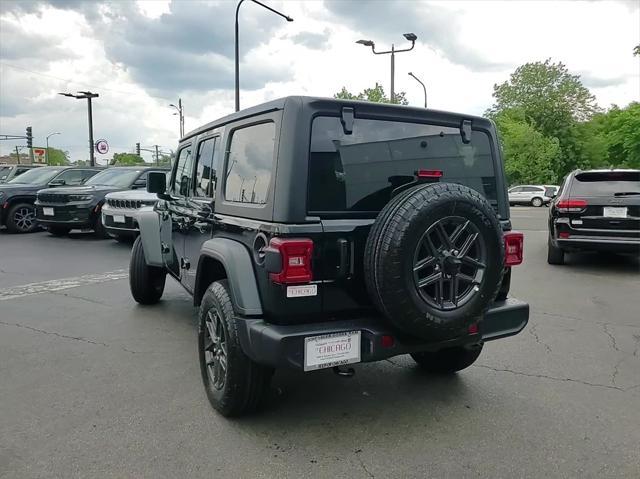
(39, 155)
(102, 147)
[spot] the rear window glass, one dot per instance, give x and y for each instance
(606, 183)
(358, 172)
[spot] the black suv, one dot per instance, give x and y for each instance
(596, 210)
(17, 196)
(62, 209)
(316, 233)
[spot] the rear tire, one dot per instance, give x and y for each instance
(21, 218)
(145, 282)
(447, 361)
(554, 254)
(58, 230)
(537, 202)
(235, 385)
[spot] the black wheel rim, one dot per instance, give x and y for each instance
(24, 218)
(215, 349)
(449, 263)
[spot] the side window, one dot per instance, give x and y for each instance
(249, 164)
(184, 172)
(71, 177)
(206, 168)
(517, 189)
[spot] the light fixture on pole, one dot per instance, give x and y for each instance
(81, 95)
(412, 37)
(423, 87)
(180, 113)
(287, 18)
(46, 155)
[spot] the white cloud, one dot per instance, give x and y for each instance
(107, 49)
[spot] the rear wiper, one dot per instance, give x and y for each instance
(627, 193)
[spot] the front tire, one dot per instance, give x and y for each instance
(554, 254)
(22, 218)
(99, 229)
(448, 361)
(537, 202)
(234, 384)
(145, 282)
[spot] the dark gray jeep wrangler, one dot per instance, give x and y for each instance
(316, 233)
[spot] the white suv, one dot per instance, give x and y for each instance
(528, 195)
(120, 212)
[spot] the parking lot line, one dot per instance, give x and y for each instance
(61, 284)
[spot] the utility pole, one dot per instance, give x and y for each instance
(180, 113)
(88, 95)
(29, 144)
(157, 156)
(17, 154)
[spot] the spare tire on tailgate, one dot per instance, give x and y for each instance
(434, 260)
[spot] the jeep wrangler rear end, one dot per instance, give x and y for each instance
(316, 233)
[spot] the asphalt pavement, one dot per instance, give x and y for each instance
(93, 385)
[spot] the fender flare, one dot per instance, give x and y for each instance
(238, 265)
(149, 225)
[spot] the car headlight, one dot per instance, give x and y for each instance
(80, 197)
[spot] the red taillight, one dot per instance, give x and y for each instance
(473, 328)
(387, 341)
(429, 173)
(295, 254)
(564, 235)
(571, 206)
(513, 248)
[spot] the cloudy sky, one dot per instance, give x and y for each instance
(142, 55)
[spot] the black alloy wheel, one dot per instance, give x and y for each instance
(22, 219)
(215, 349)
(449, 263)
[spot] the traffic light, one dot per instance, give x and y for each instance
(138, 149)
(29, 137)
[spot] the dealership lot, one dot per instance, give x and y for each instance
(92, 384)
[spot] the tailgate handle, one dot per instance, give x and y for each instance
(343, 265)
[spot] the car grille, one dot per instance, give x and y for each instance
(129, 204)
(52, 198)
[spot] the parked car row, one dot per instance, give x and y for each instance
(9, 172)
(63, 198)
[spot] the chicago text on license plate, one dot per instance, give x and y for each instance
(47, 211)
(118, 219)
(331, 350)
(615, 212)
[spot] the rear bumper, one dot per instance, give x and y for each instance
(283, 346)
(600, 243)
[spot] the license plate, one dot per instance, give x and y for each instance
(47, 211)
(302, 291)
(614, 212)
(118, 219)
(331, 350)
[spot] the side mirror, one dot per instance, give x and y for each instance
(57, 182)
(157, 183)
(138, 184)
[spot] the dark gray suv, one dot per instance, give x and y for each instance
(318, 233)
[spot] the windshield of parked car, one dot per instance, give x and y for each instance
(36, 176)
(358, 172)
(114, 177)
(606, 183)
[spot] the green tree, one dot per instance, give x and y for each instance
(620, 128)
(636, 50)
(125, 159)
(375, 94)
(57, 157)
(550, 97)
(529, 156)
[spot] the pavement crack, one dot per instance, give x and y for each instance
(88, 300)
(605, 328)
(552, 378)
(64, 336)
(616, 371)
(533, 332)
(363, 466)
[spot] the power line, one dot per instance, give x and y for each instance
(82, 83)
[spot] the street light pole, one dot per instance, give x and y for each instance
(237, 47)
(412, 37)
(180, 113)
(423, 87)
(80, 96)
(47, 151)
